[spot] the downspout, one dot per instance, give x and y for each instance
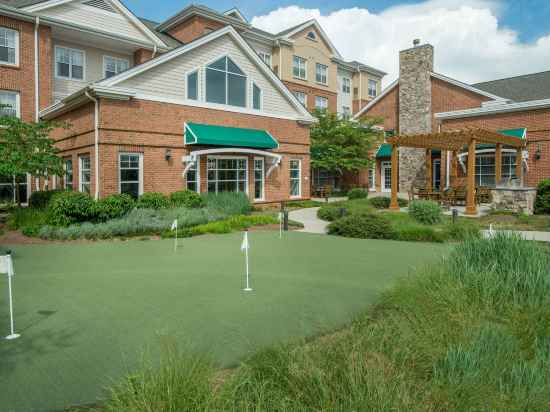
(96, 142)
(36, 87)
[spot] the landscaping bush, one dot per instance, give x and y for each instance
(153, 200)
(42, 198)
(332, 211)
(71, 207)
(27, 219)
(383, 202)
(358, 193)
(461, 231)
(232, 224)
(542, 202)
(425, 211)
(415, 232)
(114, 206)
(363, 226)
(187, 198)
(229, 203)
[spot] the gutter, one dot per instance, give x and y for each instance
(96, 142)
(494, 109)
(36, 71)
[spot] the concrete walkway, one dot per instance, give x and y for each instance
(527, 235)
(308, 217)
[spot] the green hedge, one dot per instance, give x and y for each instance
(363, 226)
(425, 211)
(358, 193)
(71, 207)
(42, 198)
(383, 202)
(228, 203)
(187, 198)
(153, 200)
(114, 206)
(542, 202)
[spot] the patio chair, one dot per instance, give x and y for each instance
(483, 195)
(460, 194)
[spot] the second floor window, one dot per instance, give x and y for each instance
(9, 46)
(321, 103)
(321, 73)
(69, 63)
(266, 57)
(193, 86)
(114, 66)
(256, 97)
(9, 103)
(302, 97)
(225, 83)
(346, 85)
(299, 67)
(372, 88)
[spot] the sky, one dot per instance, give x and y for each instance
(474, 40)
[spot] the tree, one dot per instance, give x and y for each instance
(28, 148)
(341, 145)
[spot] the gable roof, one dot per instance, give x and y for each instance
(235, 12)
(110, 84)
(288, 33)
(534, 86)
(37, 6)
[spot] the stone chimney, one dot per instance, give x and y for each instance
(415, 109)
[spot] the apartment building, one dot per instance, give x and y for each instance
(60, 59)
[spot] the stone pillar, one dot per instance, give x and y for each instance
(415, 110)
(429, 177)
(394, 203)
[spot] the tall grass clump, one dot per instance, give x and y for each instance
(228, 203)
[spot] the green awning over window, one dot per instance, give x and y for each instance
(384, 150)
(519, 133)
(210, 135)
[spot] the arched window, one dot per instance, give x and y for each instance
(311, 35)
(225, 83)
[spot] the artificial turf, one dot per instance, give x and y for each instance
(87, 312)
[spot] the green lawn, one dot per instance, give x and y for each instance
(87, 312)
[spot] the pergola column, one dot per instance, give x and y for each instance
(454, 168)
(394, 204)
(429, 177)
(471, 208)
(519, 165)
(498, 164)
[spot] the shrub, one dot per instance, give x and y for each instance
(358, 193)
(187, 198)
(542, 202)
(226, 226)
(71, 207)
(331, 213)
(415, 232)
(114, 206)
(425, 211)
(362, 225)
(229, 203)
(382, 202)
(41, 199)
(28, 220)
(461, 231)
(153, 200)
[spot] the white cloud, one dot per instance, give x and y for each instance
(470, 45)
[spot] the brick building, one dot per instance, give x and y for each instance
(59, 59)
(424, 101)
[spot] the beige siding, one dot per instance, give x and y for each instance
(363, 83)
(93, 68)
(88, 16)
(168, 79)
(261, 47)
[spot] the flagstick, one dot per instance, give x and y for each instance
(12, 334)
(248, 288)
(280, 226)
(176, 241)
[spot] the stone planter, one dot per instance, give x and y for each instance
(516, 199)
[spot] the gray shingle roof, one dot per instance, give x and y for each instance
(20, 3)
(535, 86)
(169, 40)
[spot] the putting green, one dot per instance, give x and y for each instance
(86, 312)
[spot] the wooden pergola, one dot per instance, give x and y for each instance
(455, 141)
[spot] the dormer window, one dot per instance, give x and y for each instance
(311, 35)
(225, 83)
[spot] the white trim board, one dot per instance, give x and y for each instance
(494, 109)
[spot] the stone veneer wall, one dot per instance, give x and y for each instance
(519, 200)
(415, 115)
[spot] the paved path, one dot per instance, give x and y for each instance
(308, 217)
(529, 235)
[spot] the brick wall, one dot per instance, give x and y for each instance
(21, 78)
(358, 104)
(151, 128)
(311, 92)
(194, 28)
(387, 109)
(537, 123)
(142, 55)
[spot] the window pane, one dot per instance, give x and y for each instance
(233, 68)
(63, 69)
(131, 189)
(256, 97)
(219, 64)
(215, 86)
(237, 90)
(8, 104)
(129, 175)
(192, 86)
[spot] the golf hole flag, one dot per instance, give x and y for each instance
(172, 228)
(245, 246)
(6, 266)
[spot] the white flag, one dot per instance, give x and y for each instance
(280, 216)
(174, 225)
(6, 265)
(245, 245)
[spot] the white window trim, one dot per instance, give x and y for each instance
(140, 175)
(343, 85)
(369, 82)
(325, 83)
(304, 103)
(305, 68)
(262, 198)
(187, 74)
(57, 76)
(299, 195)
(65, 174)
(17, 47)
(105, 57)
(228, 158)
(247, 103)
(253, 83)
(321, 98)
(383, 166)
(197, 165)
(373, 187)
(265, 56)
(80, 183)
(17, 101)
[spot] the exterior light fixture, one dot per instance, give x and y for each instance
(168, 155)
(538, 153)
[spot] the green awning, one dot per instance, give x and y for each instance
(210, 135)
(518, 133)
(384, 150)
